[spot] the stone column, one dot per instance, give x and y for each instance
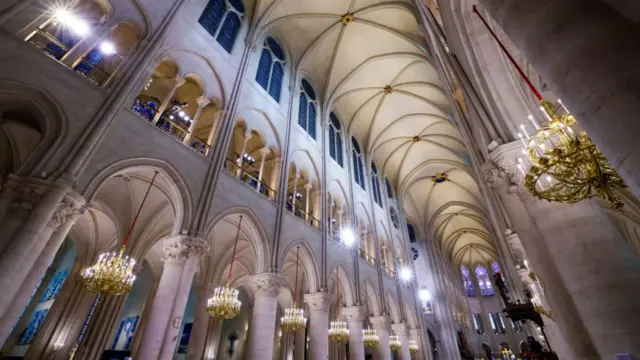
(382, 325)
(602, 91)
(300, 345)
(167, 99)
(307, 203)
(101, 328)
(263, 322)
(240, 160)
(582, 257)
(180, 263)
(273, 182)
(195, 350)
(295, 190)
(353, 315)
(417, 336)
(202, 102)
(263, 159)
(213, 339)
(319, 304)
(402, 332)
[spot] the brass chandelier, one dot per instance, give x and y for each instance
(224, 303)
(563, 165)
(294, 319)
(370, 338)
(338, 330)
(394, 343)
(113, 273)
(413, 347)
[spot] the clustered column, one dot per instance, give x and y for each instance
(319, 304)
(381, 324)
(261, 332)
(354, 318)
(402, 332)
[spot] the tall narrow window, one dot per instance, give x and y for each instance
(375, 185)
(389, 190)
(307, 109)
(223, 20)
(412, 233)
(358, 169)
(478, 324)
(335, 139)
(271, 68)
(483, 281)
(466, 281)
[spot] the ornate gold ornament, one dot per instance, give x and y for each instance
(566, 166)
(347, 18)
(440, 178)
(294, 319)
(224, 303)
(388, 89)
(415, 139)
(338, 330)
(370, 338)
(394, 343)
(113, 273)
(413, 347)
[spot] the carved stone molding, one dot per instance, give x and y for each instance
(400, 329)
(318, 301)
(67, 211)
(380, 323)
(267, 284)
(25, 199)
(353, 314)
(179, 248)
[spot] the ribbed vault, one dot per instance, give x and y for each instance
(368, 62)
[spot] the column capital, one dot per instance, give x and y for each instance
(400, 329)
(179, 80)
(267, 284)
(353, 314)
(308, 186)
(265, 151)
(179, 248)
(382, 323)
(202, 101)
(320, 301)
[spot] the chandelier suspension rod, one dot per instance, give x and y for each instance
(511, 59)
(338, 291)
(144, 199)
(235, 245)
(295, 284)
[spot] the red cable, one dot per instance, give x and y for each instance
(513, 61)
(233, 257)
(295, 285)
(135, 219)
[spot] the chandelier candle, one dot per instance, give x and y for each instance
(293, 319)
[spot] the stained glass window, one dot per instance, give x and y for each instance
(358, 169)
(484, 281)
(375, 185)
(495, 267)
(466, 281)
(389, 190)
(307, 108)
(335, 139)
(394, 217)
(222, 19)
(271, 68)
(412, 233)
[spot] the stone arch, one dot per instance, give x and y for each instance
(345, 281)
(394, 309)
(308, 264)
(410, 316)
(372, 297)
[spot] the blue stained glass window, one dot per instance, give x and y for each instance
(264, 69)
(225, 31)
(312, 121)
(302, 111)
(308, 89)
(495, 267)
(332, 142)
(358, 169)
(375, 185)
(33, 326)
(276, 81)
(356, 174)
(412, 233)
(339, 148)
(55, 285)
(229, 31)
(335, 139)
(275, 48)
(483, 281)
(466, 281)
(389, 190)
(361, 170)
(88, 319)
(92, 59)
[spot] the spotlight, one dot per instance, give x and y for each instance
(348, 237)
(107, 48)
(181, 114)
(406, 274)
(170, 117)
(66, 18)
(424, 295)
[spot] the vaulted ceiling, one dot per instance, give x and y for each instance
(368, 61)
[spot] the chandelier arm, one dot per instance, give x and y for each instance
(233, 257)
(135, 219)
(511, 59)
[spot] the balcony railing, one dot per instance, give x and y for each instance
(96, 73)
(368, 258)
(303, 215)
(233, 170)
(48, 44)
(177, 130)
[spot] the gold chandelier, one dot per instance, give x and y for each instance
(224, 303)
(293, 319)
(338, 330)
(370, 338)
(113, 273)
(413, 347)
(565, 166)
(394, 343)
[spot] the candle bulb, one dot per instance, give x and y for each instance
(545, 113)
(521, 169)
(563, 107)
(522, 139)
(525, 131)
(535, 124)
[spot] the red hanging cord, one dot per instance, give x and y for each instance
(295, 285)
(338, 291)
(135, 219)
(513, 61)
(233, 257)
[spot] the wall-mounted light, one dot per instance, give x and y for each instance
(348, 237)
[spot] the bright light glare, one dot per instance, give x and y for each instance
(424, 295)
(181, 114)
(107, 48)
(66, 18)
(406, 274)
(348, 238)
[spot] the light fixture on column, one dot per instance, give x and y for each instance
(224, 303)
(394, 343)
(293, 319)
(338, 330)
(563, 165)
(370, 338)
(413, 347)
(113, 274)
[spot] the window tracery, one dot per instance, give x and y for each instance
(375, 185)
(466, 281)
(483, 281)
(271, 68)
(307, 108)
(335, 139)
(358, 169)
(223, 20)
